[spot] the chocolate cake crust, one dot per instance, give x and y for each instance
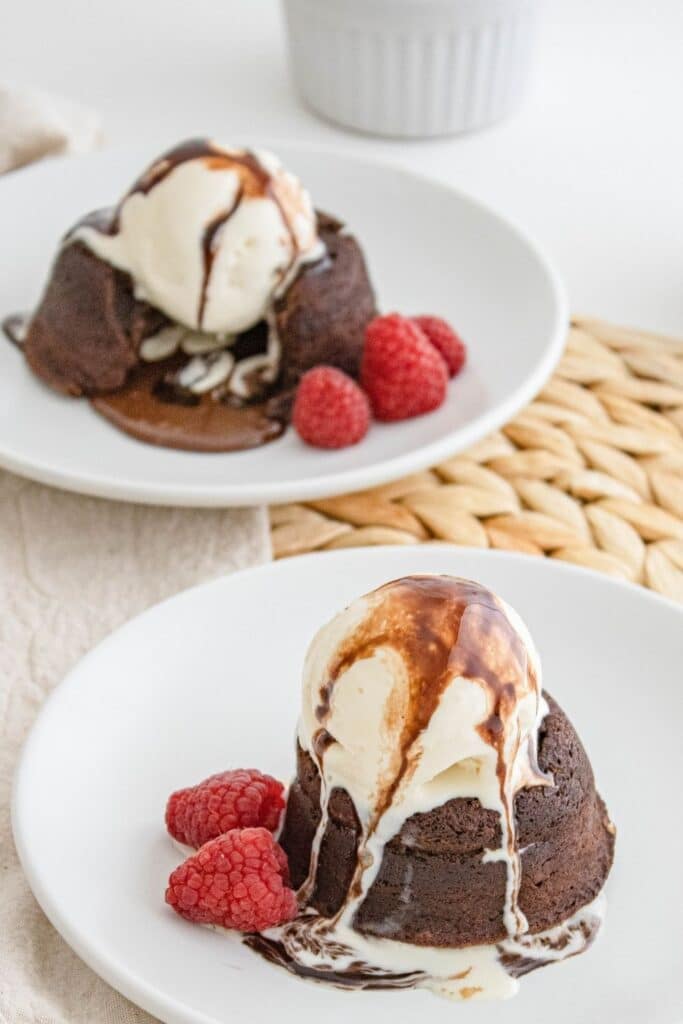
(323, 315)
(84, 337)
(433, 887)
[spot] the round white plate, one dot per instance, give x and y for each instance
(429, 249)
(210, 680)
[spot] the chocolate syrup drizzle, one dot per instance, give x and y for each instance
(209, 249)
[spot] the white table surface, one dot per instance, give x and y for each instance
(592, 164)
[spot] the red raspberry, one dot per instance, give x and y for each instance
(442, 336)
(239, 880)
(330, 410)
(237, 799)
(402, 373)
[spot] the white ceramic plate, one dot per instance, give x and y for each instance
(429, 248)
(210, 680)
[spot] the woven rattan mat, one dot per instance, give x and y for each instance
(591, 472)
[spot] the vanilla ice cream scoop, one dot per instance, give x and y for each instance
(209, 235)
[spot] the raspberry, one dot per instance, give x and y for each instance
(239, 880)
(442, 336)
(237, 799)
(402, 373)
(330, 410)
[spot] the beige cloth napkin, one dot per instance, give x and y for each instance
(34, 125)
(71, 570)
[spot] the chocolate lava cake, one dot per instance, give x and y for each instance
(456, 899)
(87, 337)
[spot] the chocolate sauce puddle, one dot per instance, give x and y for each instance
(151, 409)
(147, 408)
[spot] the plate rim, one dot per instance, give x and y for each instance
(346, 481)
(110, 968)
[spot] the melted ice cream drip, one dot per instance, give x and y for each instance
(311, 948)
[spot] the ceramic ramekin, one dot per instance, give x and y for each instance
(411, 67)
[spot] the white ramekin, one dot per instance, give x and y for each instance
(411, 67)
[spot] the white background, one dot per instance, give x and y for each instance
(592, 165)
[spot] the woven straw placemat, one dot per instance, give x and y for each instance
(591, 472)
